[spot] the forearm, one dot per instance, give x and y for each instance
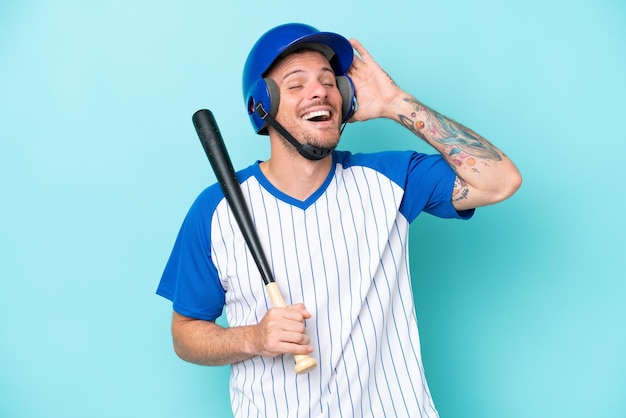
(208, 344)
(480, 166)
(280, 331)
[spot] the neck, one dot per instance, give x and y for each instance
(295, 175)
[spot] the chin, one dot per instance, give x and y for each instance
(324, 143)
(324, 138)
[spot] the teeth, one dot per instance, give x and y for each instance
(316, 114)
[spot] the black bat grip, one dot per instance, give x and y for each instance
(214, 147)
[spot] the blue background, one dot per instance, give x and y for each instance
(521, 310)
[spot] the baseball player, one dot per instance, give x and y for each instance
(334, 226)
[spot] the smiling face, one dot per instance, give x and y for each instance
(310, 102)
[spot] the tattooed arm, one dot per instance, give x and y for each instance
(484, 174)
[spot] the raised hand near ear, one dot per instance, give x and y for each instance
(375, 90)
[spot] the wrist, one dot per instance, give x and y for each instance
(247, 340)
(399, 105)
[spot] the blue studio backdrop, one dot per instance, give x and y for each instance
(521, 310)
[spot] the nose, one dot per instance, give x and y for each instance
(318, 90)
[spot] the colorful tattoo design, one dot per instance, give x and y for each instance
(461, 143)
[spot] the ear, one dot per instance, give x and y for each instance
(348, 101)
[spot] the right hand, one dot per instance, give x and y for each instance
(376, 92)
(282, 331)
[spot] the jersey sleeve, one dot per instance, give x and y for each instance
(428, 188)
(190, 279)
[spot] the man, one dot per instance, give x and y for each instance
(335, 228)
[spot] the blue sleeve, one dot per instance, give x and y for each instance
(428, 188)
(190, 279)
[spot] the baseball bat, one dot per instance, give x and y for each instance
(213, 144)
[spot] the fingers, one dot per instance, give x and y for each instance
(282, 331)
(363, 65)
(374, 88)
(302, 309)
(358, 47)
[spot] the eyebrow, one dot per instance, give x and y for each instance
(299, 70)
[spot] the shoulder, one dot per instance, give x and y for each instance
(211, 197)
(384, 162)
(398, 166)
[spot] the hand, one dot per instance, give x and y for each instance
(282, 331)
(375, 90)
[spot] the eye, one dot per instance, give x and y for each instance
(329, 82)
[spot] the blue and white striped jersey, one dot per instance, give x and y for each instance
(343, 253)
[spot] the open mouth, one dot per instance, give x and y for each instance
(317, 116)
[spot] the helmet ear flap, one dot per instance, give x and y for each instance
(264, 100)
(348, 100)
(274, 95)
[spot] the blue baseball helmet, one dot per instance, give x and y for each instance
(261, 95)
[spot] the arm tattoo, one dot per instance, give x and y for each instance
(460, 190)
(459, 142)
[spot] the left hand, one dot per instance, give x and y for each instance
(375, 90)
